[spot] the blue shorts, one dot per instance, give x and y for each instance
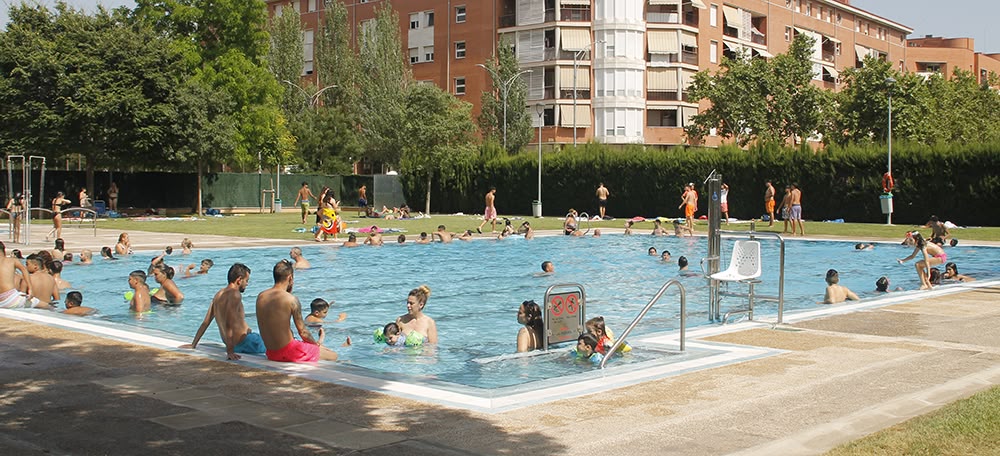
(252, 344)
(796, 213)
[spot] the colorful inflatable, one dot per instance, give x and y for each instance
(329, 223)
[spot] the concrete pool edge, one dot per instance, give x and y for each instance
(481, 400)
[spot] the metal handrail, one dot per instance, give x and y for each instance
(621, 338)
(781, 271)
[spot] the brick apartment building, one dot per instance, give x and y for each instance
(634, 59)
(930, 54)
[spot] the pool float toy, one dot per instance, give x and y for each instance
(329, 223)
(413, 339)
(129, 294)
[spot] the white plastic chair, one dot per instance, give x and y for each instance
(744, 267)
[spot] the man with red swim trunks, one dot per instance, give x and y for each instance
(274, 307)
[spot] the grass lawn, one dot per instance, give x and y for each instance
(282, 226)
(969, 426)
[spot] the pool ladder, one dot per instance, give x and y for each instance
(621, 338)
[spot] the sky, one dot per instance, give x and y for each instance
(954, 19)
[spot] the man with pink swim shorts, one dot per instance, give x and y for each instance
(490, 213)
(274, 308)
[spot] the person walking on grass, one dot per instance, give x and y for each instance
(490, 213)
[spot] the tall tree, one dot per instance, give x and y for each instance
(796, 105)
(438, 129)
(284, 58)
(501, 68)
(863, 105)
(225, 44)
(384, 86)
(337, 62)
(96, 85)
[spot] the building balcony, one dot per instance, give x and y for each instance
(581, 94)
(574, 14)
(662, 96)
(758, 39)
(508, 20)
(549, 93)
(663, 18)
(688, 57)
(829, 57)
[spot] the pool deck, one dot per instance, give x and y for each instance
(840, 377)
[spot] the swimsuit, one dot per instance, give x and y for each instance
(942, 256)
(295, 352)
(13, 299)
(796, 212)
(490, 213)
(769, 205)
(689, 210)
(362, 202)
(252, 344)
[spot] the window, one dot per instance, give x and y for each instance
(809, 9)
(788, 4)
(414, 21)
(459, 86)
(459, 14)
(788, 34)
(428, 53)
(661, 118)
(307, 51)
(460, 50)
(840, 18)
(836, 48)
(713, 16)
(312, 5)
(713, 52)
(430, 18)
(414, 55)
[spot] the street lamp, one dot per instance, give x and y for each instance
(540, 109)
(576, 57)
(890, 82)
(311, 99)
(504, 91)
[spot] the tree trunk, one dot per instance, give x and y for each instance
(197, 204)
(427, 201)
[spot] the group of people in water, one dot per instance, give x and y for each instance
(928, 254)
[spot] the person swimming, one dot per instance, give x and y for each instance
(391, 334)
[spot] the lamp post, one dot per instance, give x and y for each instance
(890, 82)
(576, 57)
(540, 109)
(504, 91)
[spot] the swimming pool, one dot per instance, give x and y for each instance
(477, 287)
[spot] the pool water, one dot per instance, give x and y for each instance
(477, 288)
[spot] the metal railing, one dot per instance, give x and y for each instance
(621, 338)
(85, 216)
(714, 310)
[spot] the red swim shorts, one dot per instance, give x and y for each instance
(295, 352)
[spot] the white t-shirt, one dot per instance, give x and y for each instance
(724, 196)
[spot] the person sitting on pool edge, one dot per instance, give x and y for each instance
(835, 292)
(226, 309)
(586, 349)
(275, 306)
(74, 301)
(529, 337)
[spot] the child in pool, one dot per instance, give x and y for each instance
(394, 336)
(586, 349)
(318, 309)
(605, 338)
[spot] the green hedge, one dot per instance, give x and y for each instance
(958, 183)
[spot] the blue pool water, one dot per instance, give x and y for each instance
(477, 287)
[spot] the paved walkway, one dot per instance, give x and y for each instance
(841, 377)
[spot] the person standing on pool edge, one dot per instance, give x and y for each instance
(274, 308)
(769, 202)
(490, 213)
(602, 199)
(226, 309)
